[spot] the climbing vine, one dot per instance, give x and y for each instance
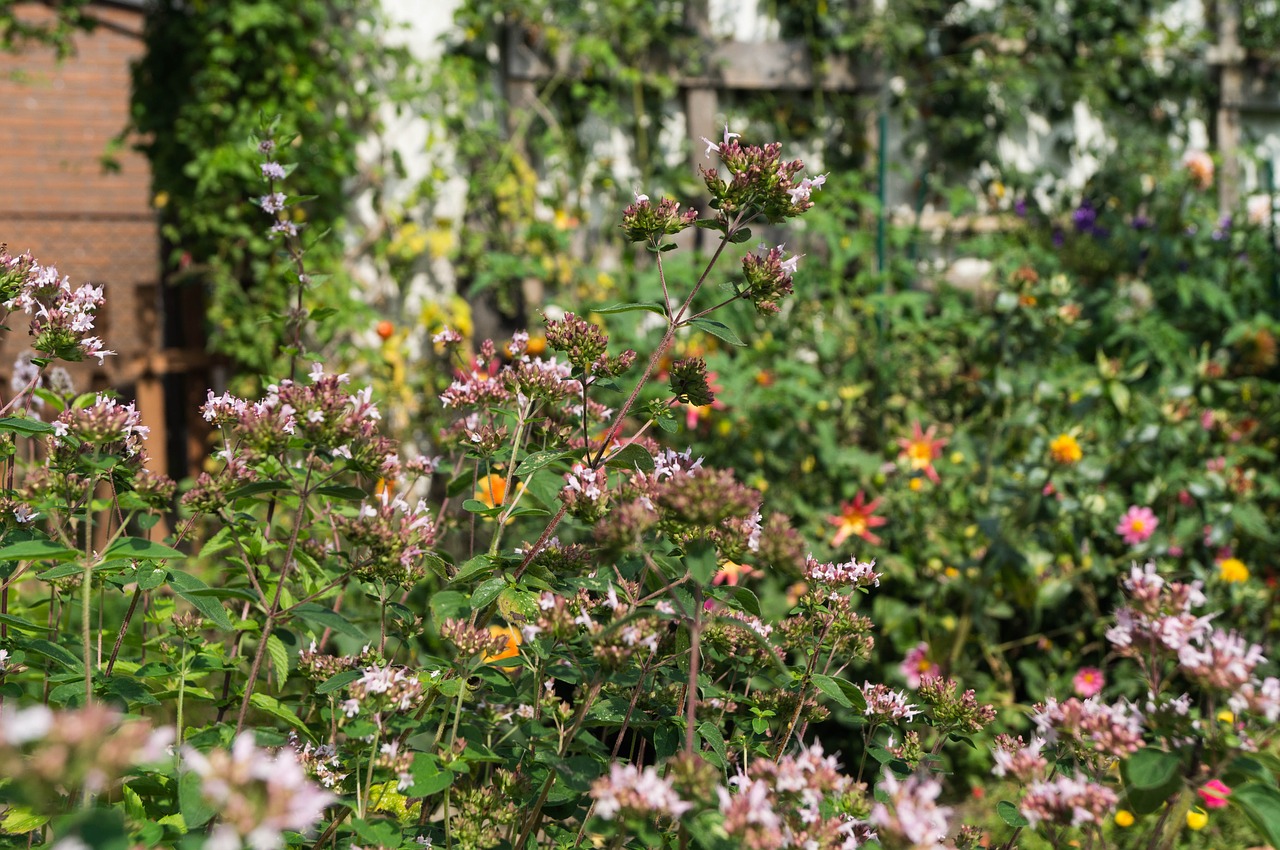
(212, 70)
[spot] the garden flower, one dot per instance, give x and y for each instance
(640, 791)
(1137, 525)
(492, 490)
(732, 572)
(1088, 682)
(1197, 819)
(856, 519)
(510, 649)
(915, 817)
(1065, 449)
(1214, 793)
(921, 449)
(1124, 818)
(1232, 570)
(917, 665)
(1200, 166)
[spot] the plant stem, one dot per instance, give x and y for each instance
(274, 611)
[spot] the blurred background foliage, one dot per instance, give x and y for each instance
(1123, 311)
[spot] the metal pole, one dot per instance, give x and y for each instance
(882, 189)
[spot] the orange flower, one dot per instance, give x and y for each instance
(492, 490)
(731, 572)
(510, 650)
(856, 519)
(921, 449)
(1065, 449)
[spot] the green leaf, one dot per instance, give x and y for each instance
(651, 306)
(136, 547)
(257, 487)
(428, 778)
(740, 236)
(1009, 814)
(700, 561)
(486, 592)
(477, 566)
(338, 681)
(279, 659)
(183, 583)
(447, 604)
(37, 550)
(26, 427)
(40, 646)
(1151, 768)
(280, 711)
(748, 600)
(337, 491)
(476, 506)
(830, 687)
(537, 460)
(196, 811)
(310, 612)
(20, 624)
(1151, 777)
(631, 457)
(711, 735)
(1119, 396)
(719, 329)
(129, 690)
(19, 819)
(379, 833)
(1261, 804)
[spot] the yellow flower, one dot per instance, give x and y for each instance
(1197, 818)
(510, 650)
(1065, 450)
(1232, 570)
(916, 484)
(1226, 716)
(1124, 819)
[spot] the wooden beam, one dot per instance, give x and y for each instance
(1229, 56)
(729, 65)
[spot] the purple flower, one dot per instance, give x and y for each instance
(272, 171)
(1140, 222)
(1020, 208)
(1085, 217)
(272, 203)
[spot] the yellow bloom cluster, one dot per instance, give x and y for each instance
(1065, 449)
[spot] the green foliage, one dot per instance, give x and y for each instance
(211, 71)
(25, 25)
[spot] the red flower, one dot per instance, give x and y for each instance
(856, 519)
(921, 449)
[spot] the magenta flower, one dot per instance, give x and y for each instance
(1214, 793)
(917, 665)
(1137, 525)
(1088, 682)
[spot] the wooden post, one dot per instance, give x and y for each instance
(700, 99)
(1229, 56)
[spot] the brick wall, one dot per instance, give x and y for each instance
(59, 203)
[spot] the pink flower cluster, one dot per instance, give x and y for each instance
(884, 704)
(781, 805)
(258, 795)
(62, 317)
(1091, 726)
(1067, 801)
(912, 814)
(851, 573)
(629, 790)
